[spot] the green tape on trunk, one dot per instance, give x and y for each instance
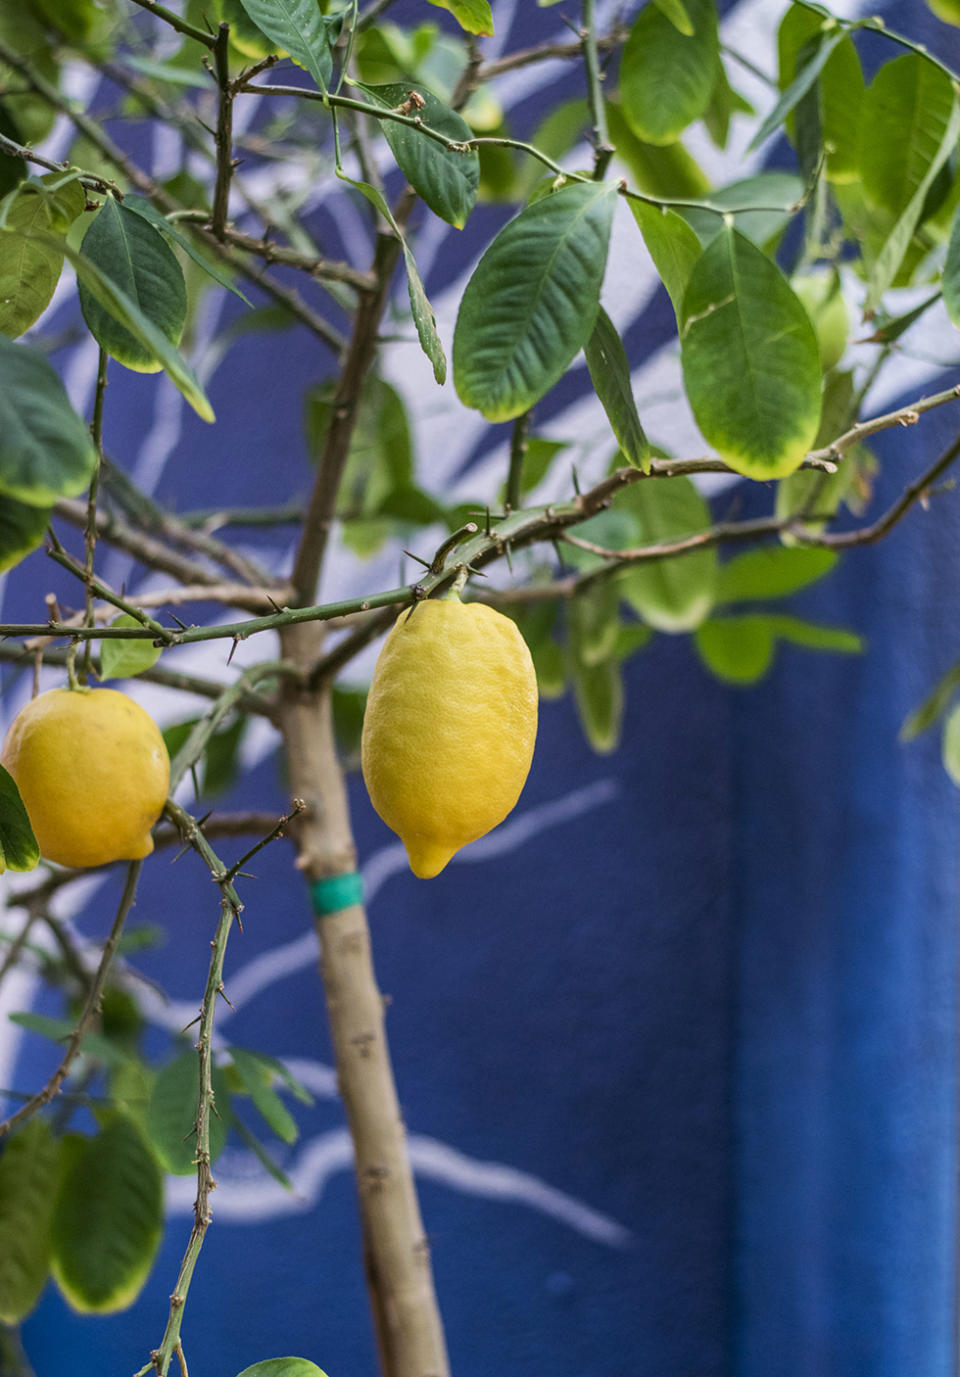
(335, 892)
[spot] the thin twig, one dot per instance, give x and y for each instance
(90, 527)
(603, 149)
(90, 1006)
(175, 22)
(224, 133)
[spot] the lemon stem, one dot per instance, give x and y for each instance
(73, 680)
(457, 587)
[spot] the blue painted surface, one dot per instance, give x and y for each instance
(679, 1065)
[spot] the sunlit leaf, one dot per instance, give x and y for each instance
(123, 659)
(672, 245)
(751, 363)
(474, 16)
(300, 29)
(18, 845)
(666, 76)
(774, 571)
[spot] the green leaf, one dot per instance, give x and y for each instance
(932, 707)
(840, 90)
(142, 207)
(751, 363)
(124, 659)
(474, 16)
(674, 594)
(536, 465)
(813, 637)
(594, 623)
(775, 193)
(108, 1220)
(22, 529)
(667, 77)
(257, 1077)
(284, 1367)
(172, 1114)
(28, 1180)
(666, 170)
(446, 181)
(262, 1155)
(532, 301)
(129, 251)
(676, 12)
(62, 1029)
(798, 87)
(45, 449)
(950, 750)
(220, 759)
(891, 256)
(299, 27)
(774, 571)
(128, 315)
(30, 269)
(598, 693)
(736, 649)
(18, 845)
(907, 111)
(672, 245)
(422, 311)
(740, 649)
(610, 373)
(725, 102)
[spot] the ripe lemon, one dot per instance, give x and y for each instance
(449, 727)
(93, 773)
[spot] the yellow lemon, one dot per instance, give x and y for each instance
(449, 727)
(93, 773)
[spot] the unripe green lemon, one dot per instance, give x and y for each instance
(449, 727)
(93, 773)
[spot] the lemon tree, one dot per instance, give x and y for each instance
(804, 233)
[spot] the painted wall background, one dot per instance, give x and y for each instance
(676, 1045)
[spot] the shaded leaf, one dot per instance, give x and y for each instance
(135, 257)
(598, 692)
(28, 1180)
(610, 373)
(22, 529)
(45, 449)
(799, 86)
(839, 90)
(657, 169)
(257, 1076)
(148, 211)
(908, 96)
(774, 571)
(736, 649)
(666, 76)
(172, 1114)
(532, 301)
(61, 1030)
(594, 623)
(18, 845)
(221, 757)
(124, 659)
(751, 363)
(446, 181)
(762, 206)
(674, 594)
(108, 1219)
